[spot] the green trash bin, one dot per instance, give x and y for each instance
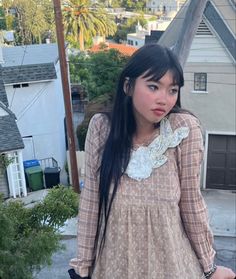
(34, 177)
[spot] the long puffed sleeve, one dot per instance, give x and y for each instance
(192, 206)
(89, 200)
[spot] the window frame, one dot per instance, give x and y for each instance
(200, 82)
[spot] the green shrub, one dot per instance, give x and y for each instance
(29, 236)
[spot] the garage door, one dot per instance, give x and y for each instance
(221, 162)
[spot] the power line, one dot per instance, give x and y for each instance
(114, 67)
(175, 18)
(37, 95)
(30, 104)
(23, 56)
(213, 82)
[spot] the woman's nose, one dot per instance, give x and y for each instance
(161, 97)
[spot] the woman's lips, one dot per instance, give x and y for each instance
(158, 112)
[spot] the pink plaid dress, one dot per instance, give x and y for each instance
(158, 226)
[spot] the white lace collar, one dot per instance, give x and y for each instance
(146, 158)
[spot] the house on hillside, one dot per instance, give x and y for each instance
(12, 178)
(123, 49)
(209, 90)
(164, 6)
(146, 34)
(32, 79)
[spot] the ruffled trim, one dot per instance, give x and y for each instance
(146, 158)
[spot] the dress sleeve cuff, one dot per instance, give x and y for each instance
(209, 263)
(83, 271)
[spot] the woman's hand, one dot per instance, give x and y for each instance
(223, 273)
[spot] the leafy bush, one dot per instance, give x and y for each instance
(29, 236)
(81, 135)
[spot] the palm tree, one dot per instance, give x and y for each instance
(84, 19)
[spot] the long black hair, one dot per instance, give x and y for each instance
(154, 61)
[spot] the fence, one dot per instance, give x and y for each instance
(80, 156)
(48, 163)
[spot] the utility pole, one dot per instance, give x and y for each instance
(191, 22)
(66, 94)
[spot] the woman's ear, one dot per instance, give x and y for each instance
(126, 86)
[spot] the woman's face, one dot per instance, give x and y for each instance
(153, 100)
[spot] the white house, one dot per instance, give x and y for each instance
(32, 79)
(164, 6)
(210, 90)
(138, 38)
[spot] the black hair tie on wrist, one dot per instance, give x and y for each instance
(74, 275)
(211, 272)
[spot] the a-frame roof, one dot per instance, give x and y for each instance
(213, 16)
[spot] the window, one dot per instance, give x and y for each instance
(200, 82)
(20, 85)
(16, 85)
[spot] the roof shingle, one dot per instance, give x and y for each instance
(10, 138)
(28, 73)
(3, 95)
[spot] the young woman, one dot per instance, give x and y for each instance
(141, 214)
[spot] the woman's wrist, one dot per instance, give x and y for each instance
(74, 275)
(209, 273)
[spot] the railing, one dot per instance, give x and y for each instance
(48, 163)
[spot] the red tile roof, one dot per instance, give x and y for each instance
(124, 49)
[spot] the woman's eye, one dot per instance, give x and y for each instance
(153, 87)
(174, 91)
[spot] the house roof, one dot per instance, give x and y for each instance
(3, 95)
(30, 63)
(124, 49)
(171, 34)
(213, 16)
(153, 37)
(10, 138)
(28, 73)
(30, 55)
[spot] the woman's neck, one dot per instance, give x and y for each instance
(144, 134)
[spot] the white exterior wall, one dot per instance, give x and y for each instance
(157, 5)
(163, 24)
(40, 113)
(216, 107)
(152, 25)
(137, 40)
(208, 49)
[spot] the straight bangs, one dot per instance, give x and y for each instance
(155, 74)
